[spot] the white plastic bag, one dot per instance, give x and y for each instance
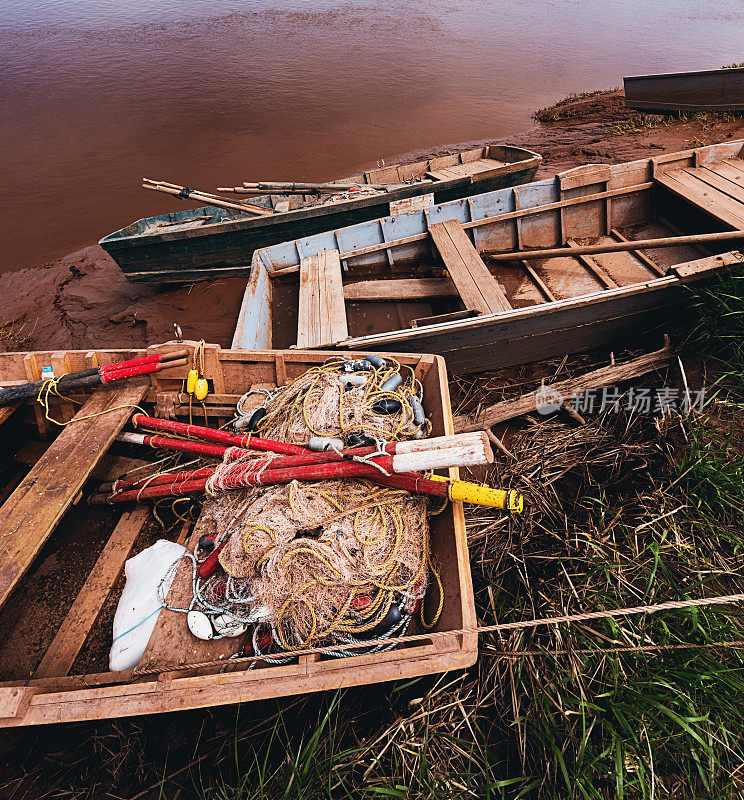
(139, 608)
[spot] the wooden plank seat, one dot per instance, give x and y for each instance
(29, 516)
(398, 290)
(477, 288)
(465, 170)
(321, 313)
(700, 186)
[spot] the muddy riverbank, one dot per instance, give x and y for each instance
(83, 300)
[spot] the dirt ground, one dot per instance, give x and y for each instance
(84, 301)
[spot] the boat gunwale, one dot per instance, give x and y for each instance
(691, 73)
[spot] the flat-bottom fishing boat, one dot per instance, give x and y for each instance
(510, 276)
(211, 242)
(704, 90)
(54, 648)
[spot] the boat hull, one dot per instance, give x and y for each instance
(224, 249)
(708, 90)
(62, 689)
(552, 305)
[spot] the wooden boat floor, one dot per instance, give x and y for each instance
(465, 170)
(171, 641)
(717, 189)
(565, 277)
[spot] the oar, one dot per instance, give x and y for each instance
(185, 193)
(615, 247)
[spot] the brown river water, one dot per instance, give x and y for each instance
(95, 94)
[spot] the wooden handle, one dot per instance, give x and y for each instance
(615, 247)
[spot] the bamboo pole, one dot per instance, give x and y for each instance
(282, 191)
(293, 186)
(615, 247)
(203, 197)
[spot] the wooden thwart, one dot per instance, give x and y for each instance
(30, 514)
(476, 286)
(397, 290)
(71, 636)
(321, 313)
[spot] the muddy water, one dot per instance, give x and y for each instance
(94, 94)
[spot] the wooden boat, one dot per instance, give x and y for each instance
(39, 508)
(705, 90)
(215, 242)
(425, 281)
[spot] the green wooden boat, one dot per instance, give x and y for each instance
(209, 242)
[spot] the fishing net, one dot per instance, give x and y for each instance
(319, 562)
(322, 402)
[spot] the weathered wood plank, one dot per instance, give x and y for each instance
(730, 168)
(719, 182)
(308, 311)
(452, 316)
(333, 324)
(15, 700)
(73, 632)
(704, 267)
(593, 267)
(710, 200)
(641, 256)
(321, 312)
(31, 513)
(476, 286)
(398, 290)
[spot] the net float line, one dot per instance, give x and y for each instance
(247, 440)
(95, 376)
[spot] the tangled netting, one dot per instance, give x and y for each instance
(321, 562)
(318, 403)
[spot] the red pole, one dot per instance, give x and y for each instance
(130, 372)
(133, 362)
(274, 463)
(212, 435)
(247, 478)
(214, 450)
